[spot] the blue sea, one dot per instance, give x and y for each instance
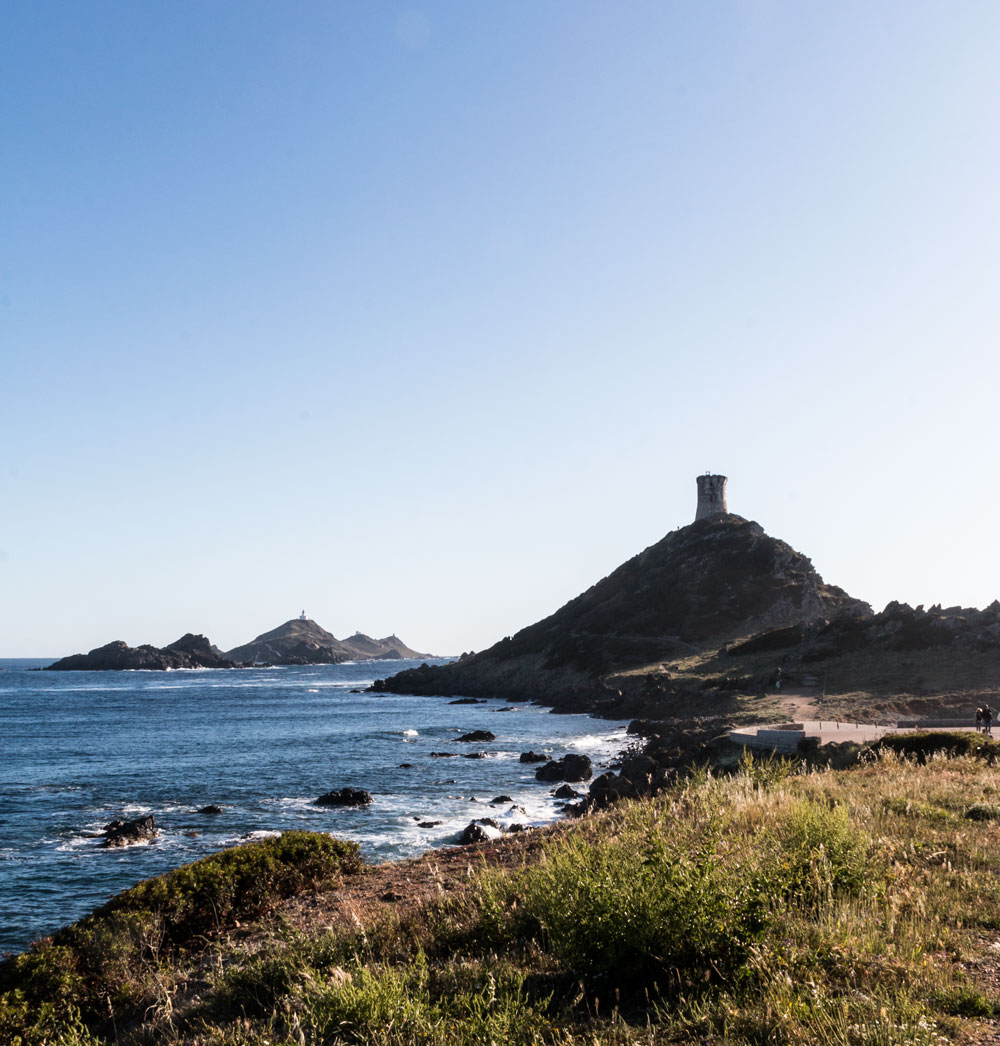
(80, 749)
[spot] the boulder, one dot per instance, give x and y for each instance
(345, 797)
(473, 833)
(212, 808)
(125, 833)
(565, 792)
(501, 799)
(477, 736)
(532, 757)
(571, 767)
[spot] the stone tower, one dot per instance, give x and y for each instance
(711, 496)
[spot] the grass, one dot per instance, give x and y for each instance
(774, 905)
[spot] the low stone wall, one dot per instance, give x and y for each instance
(771, 740)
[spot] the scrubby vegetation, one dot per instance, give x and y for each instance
(771, 906)
(117, 963)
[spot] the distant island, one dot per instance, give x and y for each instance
(299, 641)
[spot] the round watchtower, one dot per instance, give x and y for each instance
(711, 496)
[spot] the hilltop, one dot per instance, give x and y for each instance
(700, 586)
(301, 641)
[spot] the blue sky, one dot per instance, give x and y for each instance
(424, 318)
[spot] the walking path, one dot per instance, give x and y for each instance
(786, 736)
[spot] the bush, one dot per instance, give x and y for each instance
(106, 962)
(632, 912)
(922, 745)
(819, 853)
(983, 812)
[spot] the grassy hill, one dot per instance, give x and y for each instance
(775, 905)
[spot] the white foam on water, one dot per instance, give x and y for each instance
(411, 733)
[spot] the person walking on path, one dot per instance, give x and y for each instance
(987, 719)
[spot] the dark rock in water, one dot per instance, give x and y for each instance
(443, 755)
(509, 708)
(125, 833)
(474, 755)
(405, 766)
(501, 799)
(473, 833)
(212, 808)
(345, 797)
(429, 824)
(478, 736)
(565, 792)
(190, 651)
(532, 757)
(570, 768)
(518, 827)
(468, 701)
(488, 822)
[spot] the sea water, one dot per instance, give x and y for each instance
(80, 749)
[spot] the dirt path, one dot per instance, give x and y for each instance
(800, 706)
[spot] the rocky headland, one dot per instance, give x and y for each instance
(700, 586)
(719, 619)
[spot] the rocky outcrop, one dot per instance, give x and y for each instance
(127, 833)
(570, 768)
(478, 735)
(701, 585)
(303, 642)
(190, 651)
(532, 757)
(345, 797)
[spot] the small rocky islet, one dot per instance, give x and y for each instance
(299, 641)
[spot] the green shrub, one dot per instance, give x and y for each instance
(983, 812)
(108, 962)
(922, 745)
(819, 853)
(904, 807)
(631, 912)
(243, 882)
(962, 1000)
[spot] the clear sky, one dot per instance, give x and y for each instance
(424, 318)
